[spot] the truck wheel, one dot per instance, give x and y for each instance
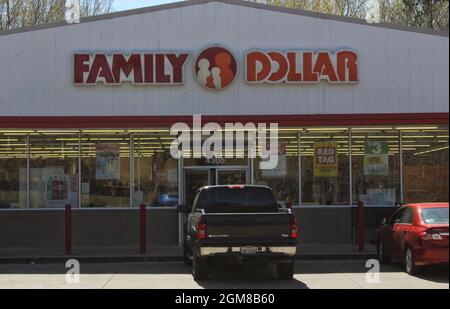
(187, 256)
(285, 271)
(199, 267)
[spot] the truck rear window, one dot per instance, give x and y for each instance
(237, 200)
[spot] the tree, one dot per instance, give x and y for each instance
(96, 7)
(350, 8)
(23, 13)
(417, 13)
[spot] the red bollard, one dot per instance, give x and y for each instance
(142, 233)
(361, 228)
(68, 216)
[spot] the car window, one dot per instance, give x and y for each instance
(438, 215)
(396, 216)
(407, 216)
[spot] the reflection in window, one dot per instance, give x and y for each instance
(376, 166)
(324, 167)
(105, 162)
(155, 171)
(53, 169)
(13, 170)
(283, 179)
(425, 165)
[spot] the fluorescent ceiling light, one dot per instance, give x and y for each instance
(416, 128)
(431, 150)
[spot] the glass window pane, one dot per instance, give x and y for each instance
(283, 179)
(325, 166)
(105, 163)
(376, 166)
(13, 170)
(425, 165)
(155, 171)
(53, 169)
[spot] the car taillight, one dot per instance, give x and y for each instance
(202, 229)
(430, 235)
(294, 230)
(236, 187)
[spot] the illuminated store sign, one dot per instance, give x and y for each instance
(301, 67)
(216, 67)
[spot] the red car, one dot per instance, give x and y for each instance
(416, 234)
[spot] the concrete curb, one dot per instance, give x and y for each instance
(125, 259)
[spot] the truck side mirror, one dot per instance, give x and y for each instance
(183, 208)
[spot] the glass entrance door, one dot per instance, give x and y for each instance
(197, 177)
(193, 180)
(231, 176)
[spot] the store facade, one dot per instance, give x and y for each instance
(86, 112)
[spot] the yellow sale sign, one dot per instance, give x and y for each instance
(325, 159)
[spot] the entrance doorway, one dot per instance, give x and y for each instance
(199, 176)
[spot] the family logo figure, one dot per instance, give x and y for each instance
(215, 68)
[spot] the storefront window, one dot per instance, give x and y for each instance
(106, 178)
(53, 169)
(283, 179)
(325, 166)
(155, 171)
(105, 168)
(13, 170)
(425, 165)
(376, 166)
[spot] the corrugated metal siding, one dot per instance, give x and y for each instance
(399, 71)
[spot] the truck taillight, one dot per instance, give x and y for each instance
(294, 229)
(236, 187)
(202, 229)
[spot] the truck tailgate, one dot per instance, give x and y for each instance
(259, 228)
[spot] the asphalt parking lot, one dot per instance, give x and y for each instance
(175, 275)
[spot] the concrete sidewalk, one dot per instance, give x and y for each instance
(175, 275)
(172, 253)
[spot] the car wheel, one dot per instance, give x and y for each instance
(199, 267)
(382, 254)
(285, 271)
(410, 266)
(187, 257)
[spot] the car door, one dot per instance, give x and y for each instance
(388, 233)
(401, 230)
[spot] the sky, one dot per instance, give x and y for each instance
(122, 5)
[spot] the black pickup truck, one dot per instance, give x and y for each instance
(238, 224)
